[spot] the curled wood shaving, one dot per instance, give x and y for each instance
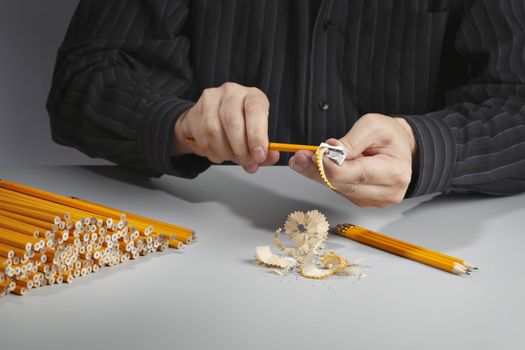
(282, 272)
(310, 269)
(312, 224)
(264, 255)
(292, 227)
(320, 166)
(290, 251)
(303, 230)
(307, 232)
(335, 262)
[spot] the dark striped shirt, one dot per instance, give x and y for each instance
(455, 69)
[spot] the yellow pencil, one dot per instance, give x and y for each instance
(275, 146)
(404, 249)
(46, 238)
(82, 206)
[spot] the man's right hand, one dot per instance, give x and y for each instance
(229, 122)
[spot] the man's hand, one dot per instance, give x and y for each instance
(378, 167)
(229, 122)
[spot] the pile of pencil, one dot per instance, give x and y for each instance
(46, 238)
(405, 249)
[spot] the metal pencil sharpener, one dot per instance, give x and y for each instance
(335, 153)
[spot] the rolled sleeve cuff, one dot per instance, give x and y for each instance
(157, 133)
(436, 153)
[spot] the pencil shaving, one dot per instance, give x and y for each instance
(319, 155)
(290, 251)
(264, 255)
(312, 224)
(282, 272)
(311, 266)
(335, 262)
(307, 233)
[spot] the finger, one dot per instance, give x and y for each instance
(376, 169)
(215, 142)
(272, 158)
(251, 168)
(256, 107)
(361, 194)
(232, 119)
(370, 195)
(302, 163)
(336, 142)
(367, 132)
(373, 170)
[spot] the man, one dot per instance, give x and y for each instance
(427, 96)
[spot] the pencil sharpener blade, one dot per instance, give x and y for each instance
(335, 153)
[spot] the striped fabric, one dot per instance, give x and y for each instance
(454, 69)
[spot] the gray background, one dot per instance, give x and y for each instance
(30, 34)
(212, 295)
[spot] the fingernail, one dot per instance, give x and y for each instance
(259, 155)
(301, 160)
(299, 163)
(296, 166)
(250, 167)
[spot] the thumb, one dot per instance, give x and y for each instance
(365, 133)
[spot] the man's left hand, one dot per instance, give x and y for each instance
(378, 167)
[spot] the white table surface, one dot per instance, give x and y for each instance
(213, 294)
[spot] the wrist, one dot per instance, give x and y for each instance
(179, 146)
(411, 139)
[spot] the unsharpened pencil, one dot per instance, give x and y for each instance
(405, 249)
(46, 238)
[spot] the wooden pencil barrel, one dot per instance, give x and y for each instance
(291, 148)
(400, 244)
(411, 245)
(44, 225)
(81, 207)
(18, 226)
(76, 203)
(79, 238)
(362, 235)
(31, 213)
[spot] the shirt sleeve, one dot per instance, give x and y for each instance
(477, 143)
(119, 84)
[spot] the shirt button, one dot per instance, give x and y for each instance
(323, 105)
(327, 24)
